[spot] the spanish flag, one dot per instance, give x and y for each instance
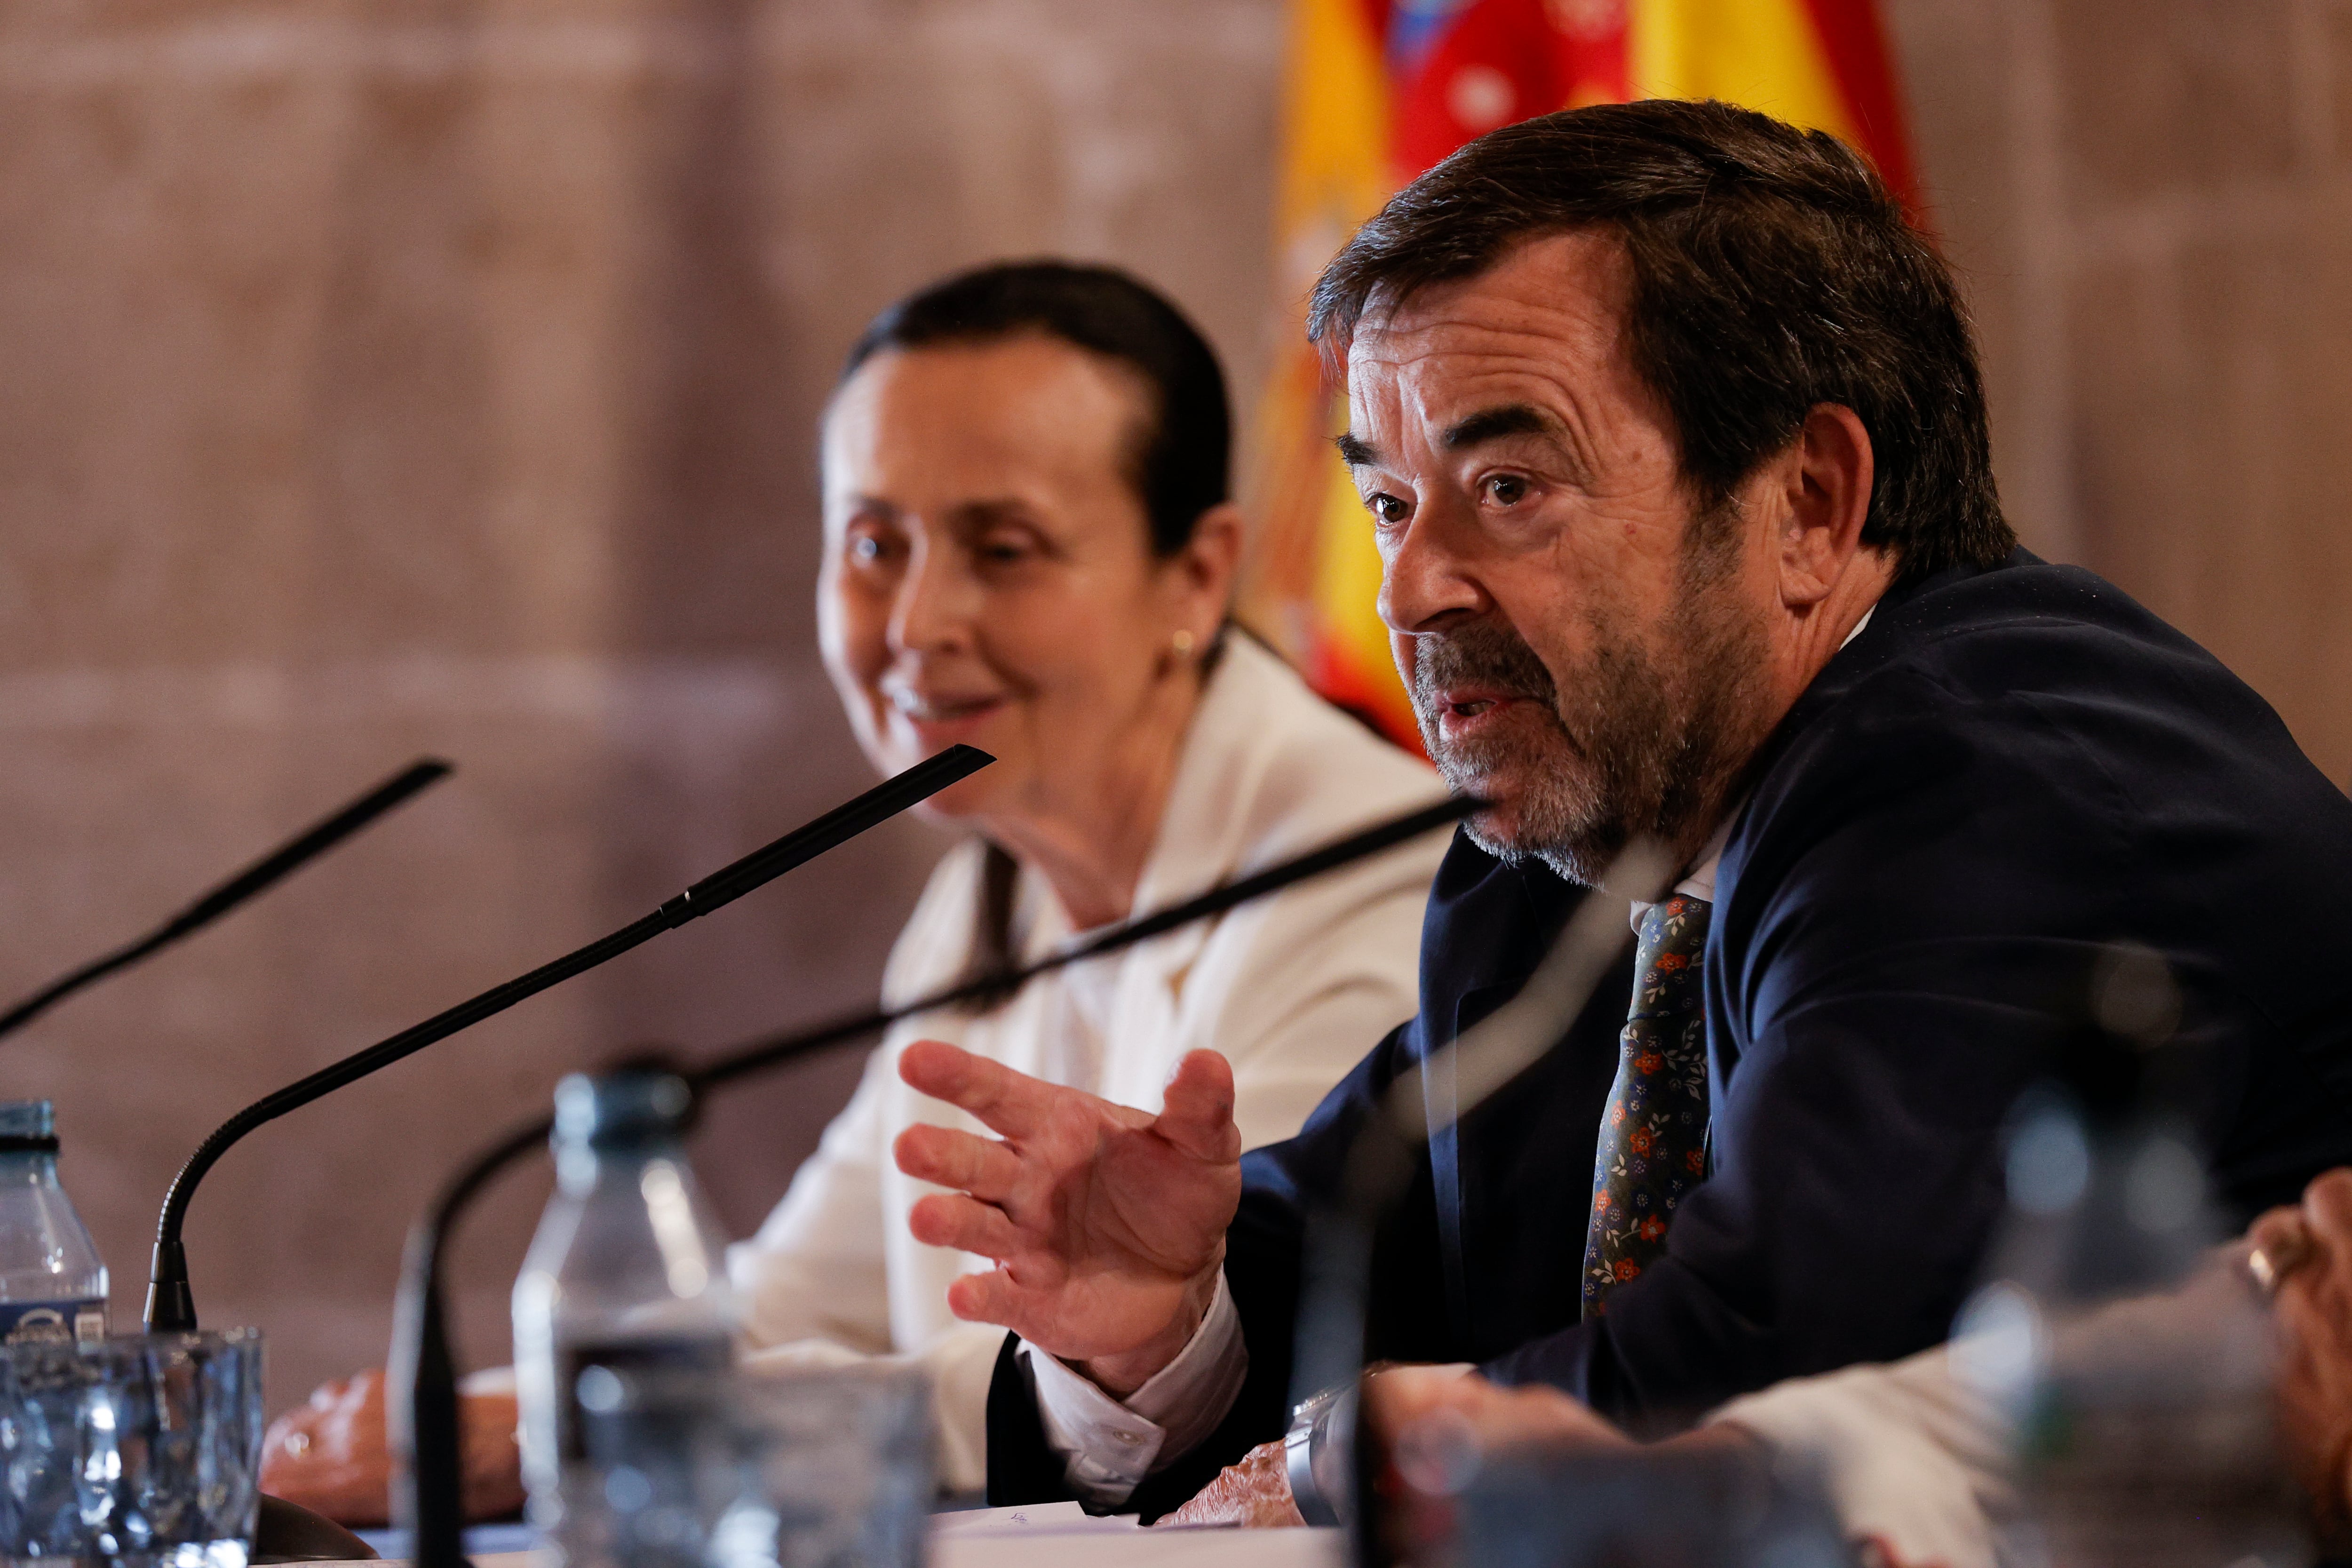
(1378, 91)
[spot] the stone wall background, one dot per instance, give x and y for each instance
(438, 376)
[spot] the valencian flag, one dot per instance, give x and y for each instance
(1378, 91)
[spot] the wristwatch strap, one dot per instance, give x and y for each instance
(1313, 1432)
(1298, 1456)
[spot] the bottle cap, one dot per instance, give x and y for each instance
(620, 1107)
(26, 1123)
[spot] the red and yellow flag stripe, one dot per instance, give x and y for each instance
(1376, 91)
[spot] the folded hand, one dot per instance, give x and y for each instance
(330, 1457)
(1254, 1493)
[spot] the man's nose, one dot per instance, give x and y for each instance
(1424, 582)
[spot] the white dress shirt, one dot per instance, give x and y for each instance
(1108, 1455)
(1920, 1455)
(1292, 990)
(1915, 1461)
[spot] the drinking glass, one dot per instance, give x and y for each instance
(1539, 1507)
(695, 1467)
(141, 1450)
(840, 1467)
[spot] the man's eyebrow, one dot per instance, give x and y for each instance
(1356, 454)
(1492, 424)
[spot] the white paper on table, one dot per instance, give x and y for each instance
(1057, 1539)
(1061, 1518)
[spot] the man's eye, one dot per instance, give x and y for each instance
(1506, 490)
(1386, 508)
(1004, 551)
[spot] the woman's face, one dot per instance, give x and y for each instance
(988, 576)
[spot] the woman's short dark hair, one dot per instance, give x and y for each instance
(1772, 271)
(1182, 456)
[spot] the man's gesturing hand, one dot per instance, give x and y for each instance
(1106, 1225)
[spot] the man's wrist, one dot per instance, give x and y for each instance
(1120, 1375)
(1714, 1438)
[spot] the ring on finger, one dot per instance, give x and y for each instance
(2273, 1261)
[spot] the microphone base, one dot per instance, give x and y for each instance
(171, 1306)
(288, 1532)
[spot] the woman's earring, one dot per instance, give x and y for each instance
(1182, 643)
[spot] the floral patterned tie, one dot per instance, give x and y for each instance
(1653, 1147)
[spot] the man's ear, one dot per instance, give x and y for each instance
(1828, 481)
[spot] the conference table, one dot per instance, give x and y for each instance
(1059, 1535)
(1014, 1538)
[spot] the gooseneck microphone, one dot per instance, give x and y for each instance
(1327, 1356)
(271, 867)
(421, 1393)
(170, 1305)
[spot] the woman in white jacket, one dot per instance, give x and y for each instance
(1028, 548)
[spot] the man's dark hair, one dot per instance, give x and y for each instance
(1182, 455)
(1771, 271)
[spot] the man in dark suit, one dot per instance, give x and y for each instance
(1670, 432)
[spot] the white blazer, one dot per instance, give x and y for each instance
(1294, 990)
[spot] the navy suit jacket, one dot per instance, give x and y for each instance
(2007, 770)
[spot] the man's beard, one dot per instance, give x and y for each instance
(1630, 746)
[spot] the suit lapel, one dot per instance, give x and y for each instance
(1490, 924)
(1445, 1165)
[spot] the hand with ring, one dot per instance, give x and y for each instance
(2302, 1257)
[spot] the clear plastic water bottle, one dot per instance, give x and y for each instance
(2128, 1360)
(52, 1283)
(623, 1290)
